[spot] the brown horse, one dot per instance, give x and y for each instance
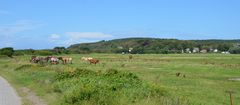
(93, 61)
(37, 59)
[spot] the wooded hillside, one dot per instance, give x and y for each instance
(154, 45)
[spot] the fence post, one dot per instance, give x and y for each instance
(230, 96)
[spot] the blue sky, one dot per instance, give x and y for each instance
(43, 24)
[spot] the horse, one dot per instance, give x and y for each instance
(65, 60)
(86, 58)
(48, 58)
(36, 59)
(52, 60)
(93, 61)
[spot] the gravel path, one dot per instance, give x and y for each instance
(8, 96)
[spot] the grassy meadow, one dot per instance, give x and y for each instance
(147, 79)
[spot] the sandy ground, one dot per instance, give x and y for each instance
(8, 95)
(32, 97)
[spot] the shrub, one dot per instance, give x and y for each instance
(8, 51)
(83, 86)
(70, 74)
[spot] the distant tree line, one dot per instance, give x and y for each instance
(9, 51)
(135, 46)
(156, 46)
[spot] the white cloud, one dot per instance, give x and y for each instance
(9, 33)
(89, 35)
(78, 37)
(54, 36)
(19, 26)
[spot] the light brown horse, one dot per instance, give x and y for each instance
(65, 60)
(86, 58)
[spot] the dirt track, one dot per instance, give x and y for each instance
(8, 95)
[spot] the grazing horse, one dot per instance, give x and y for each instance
(65, 60)
(93, 61)
(36, 59)
(48, 58)
(53, 60)
(86, 58)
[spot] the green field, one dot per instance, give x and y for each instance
(147, 79)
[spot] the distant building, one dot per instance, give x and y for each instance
(130, 50)
(187, 50)
(120, 47)
(211, 50)
(215, 50)
(195, 50)
(203, 51)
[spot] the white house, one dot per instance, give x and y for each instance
(215, 50)
(195, 50)
(203, 51)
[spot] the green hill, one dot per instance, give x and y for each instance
(152, 45)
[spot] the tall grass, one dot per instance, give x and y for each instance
(147, 79)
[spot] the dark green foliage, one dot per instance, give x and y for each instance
(18, 53)
(151, 45)
(235, 50)
(44, 52)
(60, 50)
(8, 51)
(224, 46)
(35, 52)
(103, 88)
(24, 52)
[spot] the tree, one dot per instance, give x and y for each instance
(8, 51)
(59, 50)
(224, 47)
(235, 50)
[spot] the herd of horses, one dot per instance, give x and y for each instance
(56, 60)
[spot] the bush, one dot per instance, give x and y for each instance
(70, 74)
(8, 51)
(111, 87)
